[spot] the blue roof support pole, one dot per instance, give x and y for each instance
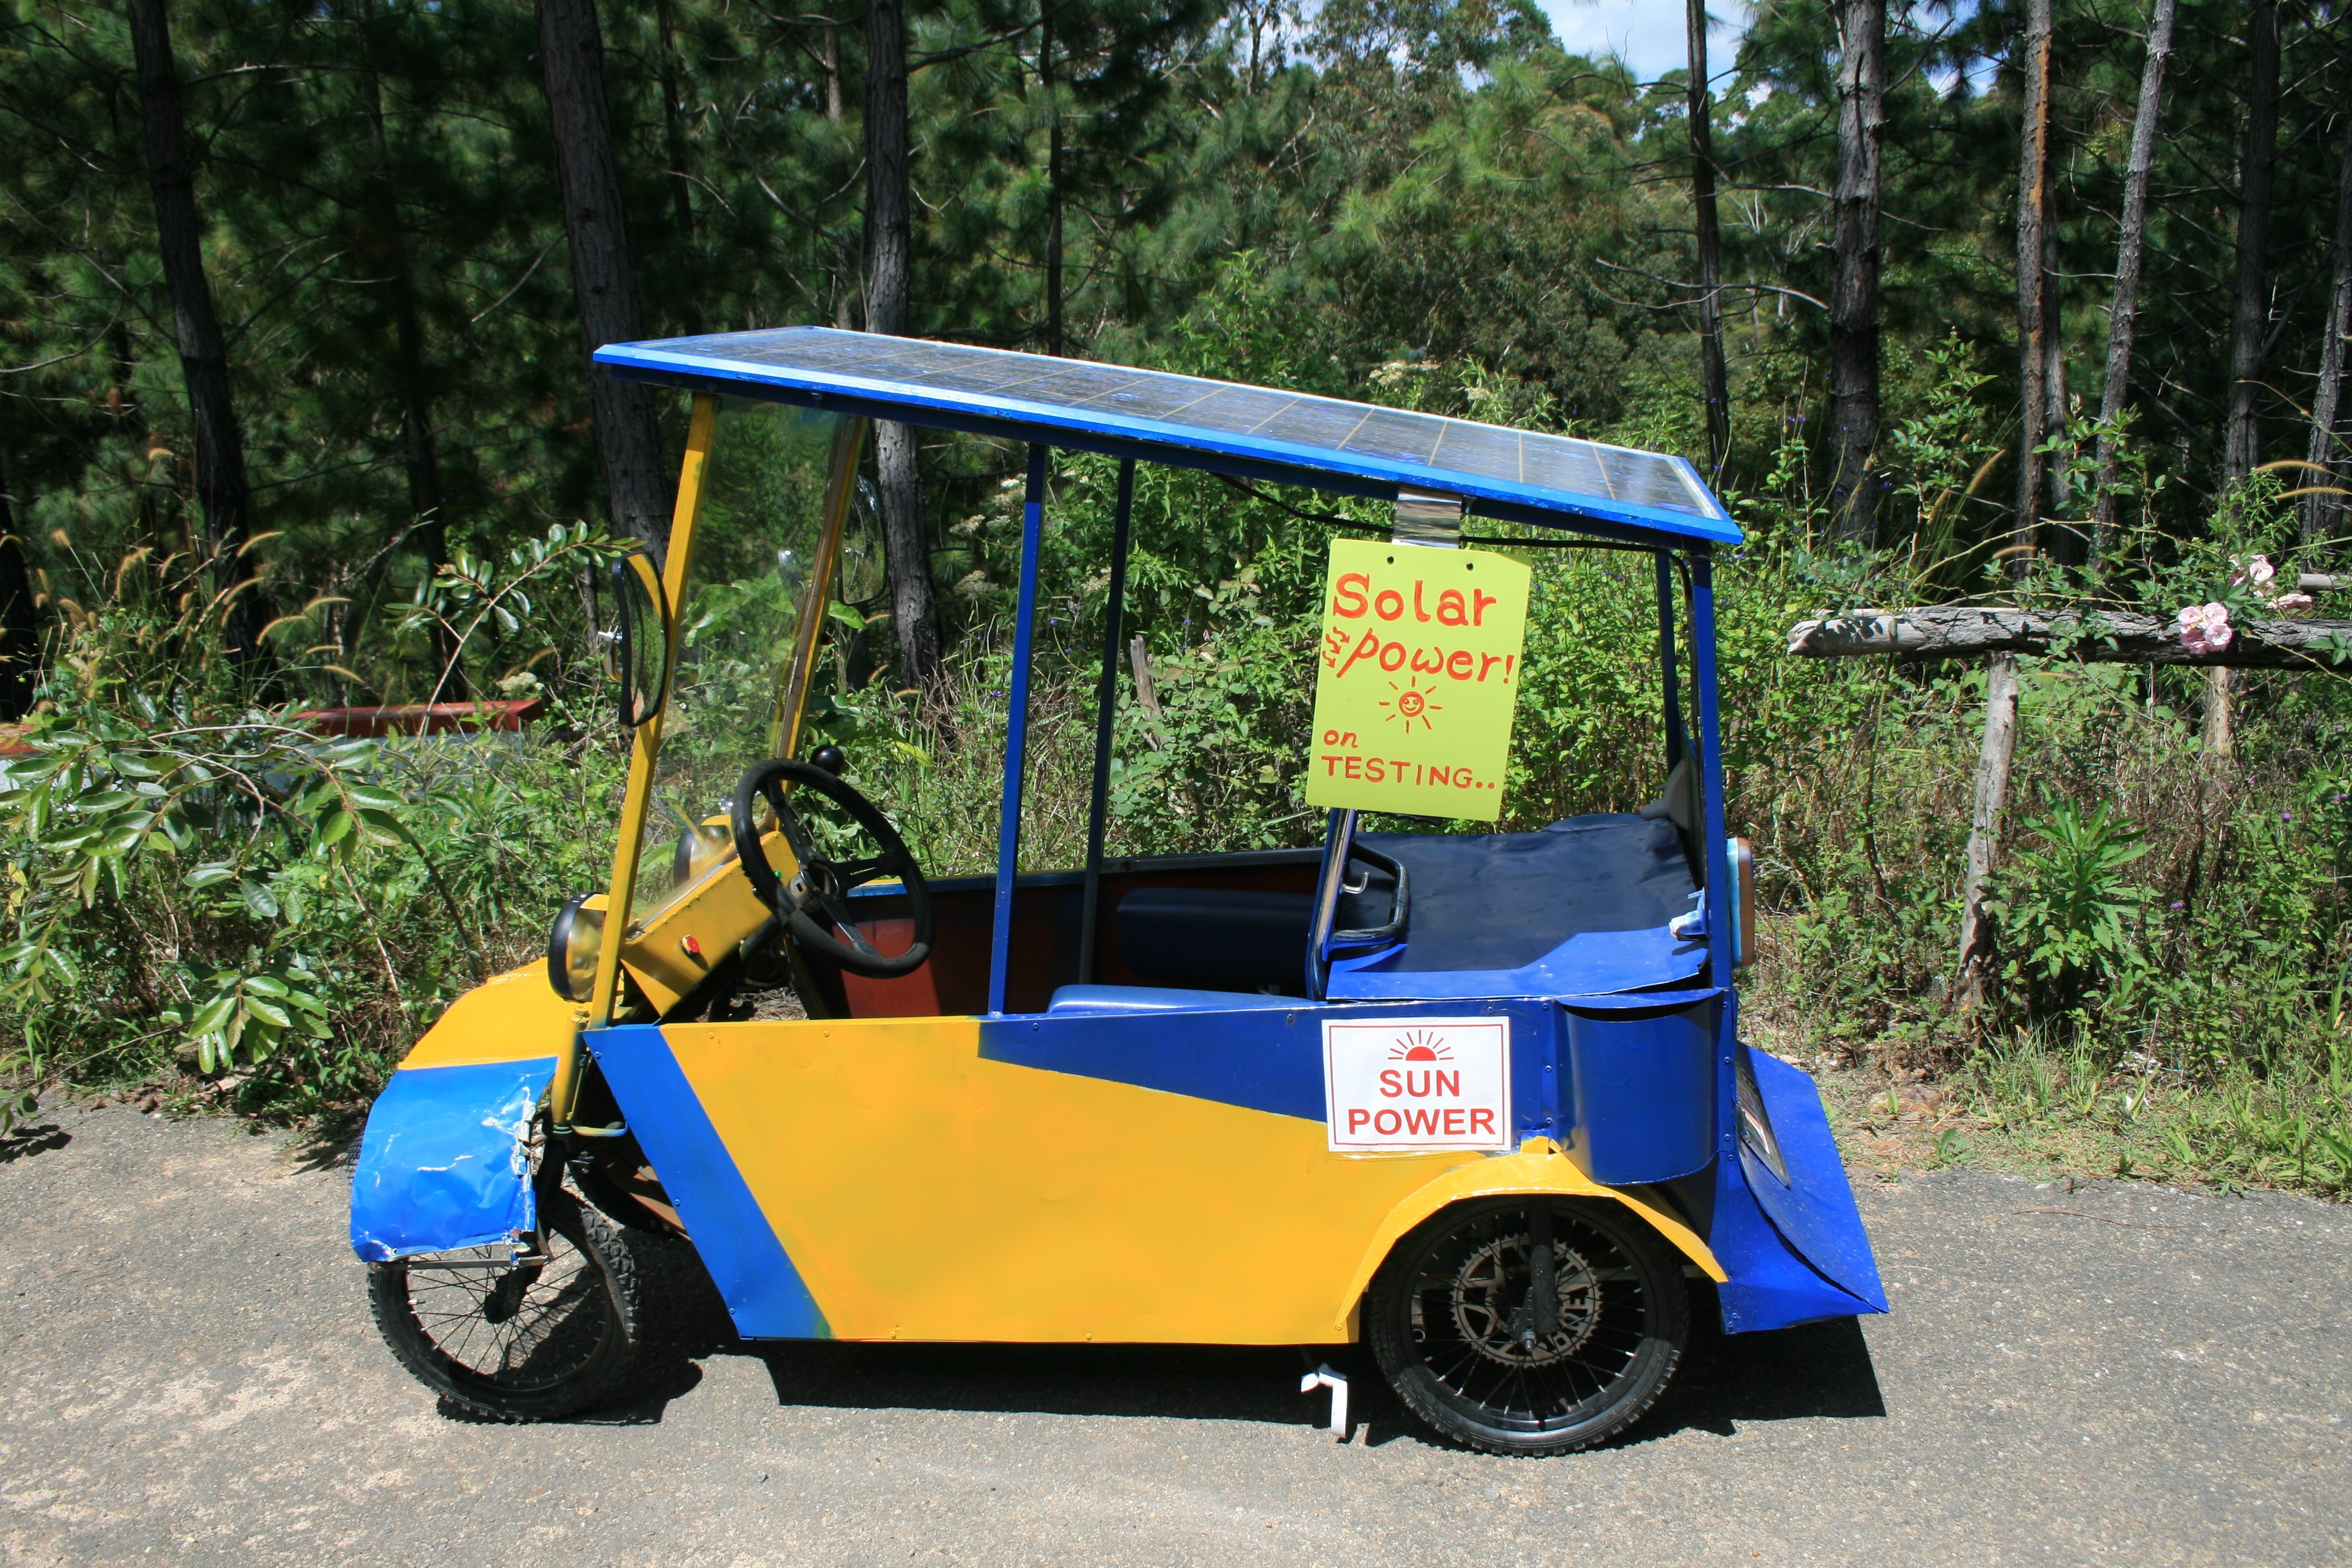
(1710, 759)
(1676, 744)
(1105, 712)
(1016, 732)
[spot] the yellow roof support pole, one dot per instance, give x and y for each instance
(816, 599)
(645, 752)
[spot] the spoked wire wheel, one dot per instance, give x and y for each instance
(1460, 1323)
(517, 1343)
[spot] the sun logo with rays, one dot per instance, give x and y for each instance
(1421, 1046)
(1412, 706)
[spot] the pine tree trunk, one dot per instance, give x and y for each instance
(2250, 298)
(2032, 315)
(906, 543)
(844, 296)
(1714, 382)
(2122, 312)
(389, 241)
(1853, 305)
(681, 193)
(2250, 306)
(1052, 178)
(20, 630)
(222, 488)
(2062, 539)
(2320, 509)
(604, 276)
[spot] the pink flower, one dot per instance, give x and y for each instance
(2285, 602)
(2205, 628)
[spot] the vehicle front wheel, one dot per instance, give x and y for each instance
(531, 1343)
(1456, 1323)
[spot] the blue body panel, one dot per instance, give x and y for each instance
(763, 1293)
(1641, 1083)
(763, 364)
(445, 1162)
(1265, 1058)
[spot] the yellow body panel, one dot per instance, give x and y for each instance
(510, 1017)
(925, 1192)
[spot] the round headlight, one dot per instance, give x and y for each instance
(697, 850)
(572, 945)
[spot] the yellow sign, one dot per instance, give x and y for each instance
(1420, 677)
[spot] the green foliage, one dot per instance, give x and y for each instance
(191, 871)
(2068, 915)
(1427, 202)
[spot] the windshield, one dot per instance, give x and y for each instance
(759, 539)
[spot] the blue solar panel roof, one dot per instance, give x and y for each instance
(1255, 432)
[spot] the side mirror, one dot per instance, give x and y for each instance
(638, 650)
(571, 946)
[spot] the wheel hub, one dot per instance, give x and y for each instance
(1487, 1290)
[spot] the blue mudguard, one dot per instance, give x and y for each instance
(1814, 1210)
(1795, 1251)
(445, 1161)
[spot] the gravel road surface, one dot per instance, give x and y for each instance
(2119, 1373)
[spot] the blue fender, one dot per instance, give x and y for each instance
(446, 1160)
(1794, 1251)
(1814, 1209)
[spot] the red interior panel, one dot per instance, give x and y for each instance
(1047, 909)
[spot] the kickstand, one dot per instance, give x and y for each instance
(1324, 1377)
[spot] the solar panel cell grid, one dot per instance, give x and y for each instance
(1546, 472)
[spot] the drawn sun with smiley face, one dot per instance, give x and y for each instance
(1412, 706)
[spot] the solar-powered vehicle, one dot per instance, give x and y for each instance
(1477, 1099)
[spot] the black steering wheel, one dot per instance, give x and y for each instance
(816, 904)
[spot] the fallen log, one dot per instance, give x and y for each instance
(2097, 636)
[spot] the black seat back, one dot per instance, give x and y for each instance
(1216, 938)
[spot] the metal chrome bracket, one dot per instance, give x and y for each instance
(1425, 517)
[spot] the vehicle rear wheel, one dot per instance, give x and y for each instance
(1453, 1321)
(527, 1343)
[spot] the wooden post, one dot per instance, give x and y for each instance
(1984, 822)
(2091, 636)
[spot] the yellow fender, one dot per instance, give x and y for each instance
(1539, 1166)
(513, 1017)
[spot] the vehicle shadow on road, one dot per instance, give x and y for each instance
(1823, 1370)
